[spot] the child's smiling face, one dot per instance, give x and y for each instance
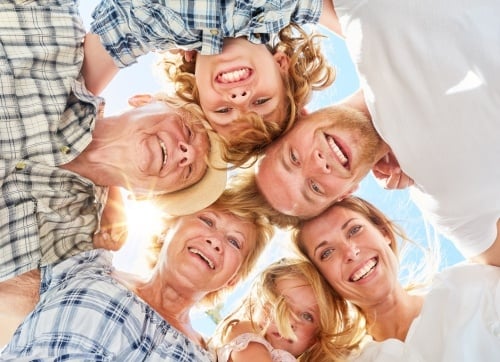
(244, 78)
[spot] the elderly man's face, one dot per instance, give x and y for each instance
(156, 149)
(319, 161)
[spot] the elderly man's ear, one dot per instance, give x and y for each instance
(140, 100)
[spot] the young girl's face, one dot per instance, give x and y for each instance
(300, 298)
(244, 78)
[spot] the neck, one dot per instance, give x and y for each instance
(97, 162)
(166, 300)
(393, 317)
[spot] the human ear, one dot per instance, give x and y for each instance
(233, 281)
(140, 100)
(349, 192)
(282, 60)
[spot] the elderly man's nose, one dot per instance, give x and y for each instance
(187, 154)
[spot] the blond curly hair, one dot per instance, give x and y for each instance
(308, 70)
(340, 327)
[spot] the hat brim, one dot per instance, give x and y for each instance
(203, 193)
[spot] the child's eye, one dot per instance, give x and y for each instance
(294, 158)
(307, 317)
(316, 189)
(223, 110)
(260, 101)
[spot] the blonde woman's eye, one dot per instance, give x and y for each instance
(325, 254)
(235, 243)
(188, 131)
(354, 230)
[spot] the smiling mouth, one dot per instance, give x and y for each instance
(164, 153)
(337, 150)
(365, 270)
(203, 257)
(234, 76)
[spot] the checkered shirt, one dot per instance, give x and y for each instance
(84, 314)
(46, 119)
(131, 28)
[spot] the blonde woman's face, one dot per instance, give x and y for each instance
(301, 300)
(244, 78)
(206, 249)
(352, 254)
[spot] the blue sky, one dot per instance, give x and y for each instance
(140, 78)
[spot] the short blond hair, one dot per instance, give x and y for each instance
(246, 209)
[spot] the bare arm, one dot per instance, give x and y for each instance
(18, 297)
(329, 17)
(98, 66)
(492, 255)
(254, 352)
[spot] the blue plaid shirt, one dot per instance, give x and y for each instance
(46, 119)
(84, 314)
(129, 29)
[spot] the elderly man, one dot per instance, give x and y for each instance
(55, 146)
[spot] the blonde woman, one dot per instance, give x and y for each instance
(88, 310)
(354, 246)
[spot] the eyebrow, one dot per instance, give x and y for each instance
(324, 242)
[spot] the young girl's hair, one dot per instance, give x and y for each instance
(340, 329)
(308, 71)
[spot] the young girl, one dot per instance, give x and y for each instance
(290, 314)
(252, 93)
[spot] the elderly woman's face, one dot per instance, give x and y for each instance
(208, 248)
(352, 254)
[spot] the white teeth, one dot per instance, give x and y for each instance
(203, 256)
(365, 270)
(164, 152)
(338, 152)
(234, 76)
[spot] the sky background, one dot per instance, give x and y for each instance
(141, 78)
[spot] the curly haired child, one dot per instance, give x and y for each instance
(252, 93)
(289, 314)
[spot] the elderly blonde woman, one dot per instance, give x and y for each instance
(90, 311)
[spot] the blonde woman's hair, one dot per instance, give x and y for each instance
(337, 333)
(308, 70)
(248, 211)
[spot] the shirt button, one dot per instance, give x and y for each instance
(257, 36)
(260, 19)
(65, 149)
(20, 165)
(214, 31)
